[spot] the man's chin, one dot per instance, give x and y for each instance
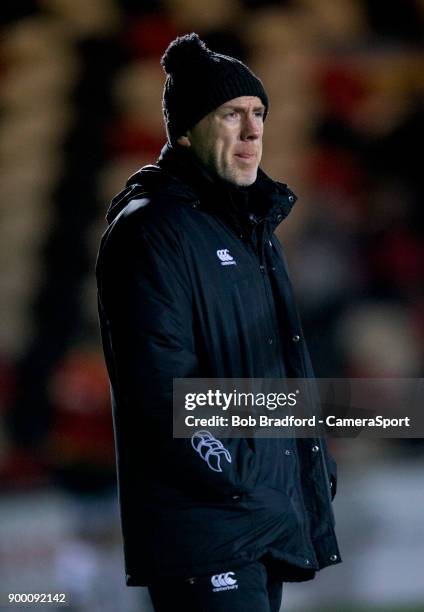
(246, 181)
(241, 179)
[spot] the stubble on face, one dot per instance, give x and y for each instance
(228, 141)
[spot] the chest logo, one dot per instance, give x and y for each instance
(224, 582)
(225, 258)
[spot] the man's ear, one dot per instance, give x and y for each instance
(184, 141)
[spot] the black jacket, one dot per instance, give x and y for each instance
(170, 309)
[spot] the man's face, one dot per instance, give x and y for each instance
(228, 141)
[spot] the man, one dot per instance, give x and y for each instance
(192, 283)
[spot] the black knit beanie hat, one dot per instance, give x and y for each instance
(199, 80)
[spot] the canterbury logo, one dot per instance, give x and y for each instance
(210, 449)
(225, 258)
(224, 582)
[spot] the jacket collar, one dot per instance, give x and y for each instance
(266, 199)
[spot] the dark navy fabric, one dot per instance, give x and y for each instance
(169, 309)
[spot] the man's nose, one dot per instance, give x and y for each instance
(251, 127)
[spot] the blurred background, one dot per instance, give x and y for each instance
(80, 110)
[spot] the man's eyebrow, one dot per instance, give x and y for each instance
(260, 107)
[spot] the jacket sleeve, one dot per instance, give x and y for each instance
(146, 313)
(330, 463)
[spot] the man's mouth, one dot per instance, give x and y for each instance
(246, 156)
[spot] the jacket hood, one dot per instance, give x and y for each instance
(177, 174)
(146, 182)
